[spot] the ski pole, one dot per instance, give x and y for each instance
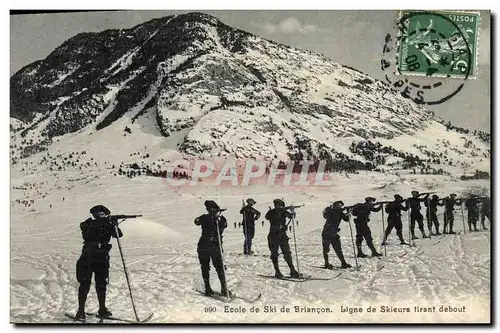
(295, 240)
(383, 232)
(409, 228)
(463, 219)
(221, 253)
(429, 222)
(126, 272)
(245, 230)
(353, 247)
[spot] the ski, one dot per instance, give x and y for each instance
(130, 321)
(217, 296)
(338, 268)
(286, 278)
(83, 321)
(419, 254)
(249, 300)
(402, 255)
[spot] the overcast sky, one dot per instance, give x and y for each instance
(353, 38)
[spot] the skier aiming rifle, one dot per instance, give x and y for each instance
(362, 212)
(432, 213)
(277, 237)
(485, 211)
(250, 215)
(449, 204)
(96, 234)
(415, 215)
(393, 209)
(333, 215)
(472, 212)
(210, 245)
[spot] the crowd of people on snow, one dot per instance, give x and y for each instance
(98, 231)
(281, 219)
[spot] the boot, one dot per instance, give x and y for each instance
(277, 268)
(293, 271)
(294, 274)
(80, 315)
(386, 235)
(208, 289)
(82, 298)
(223, 285)
(206, 280)
(413, 235)
(374, 252)
(104, 313)
(401, 239)
(451, 232)
(360, 253)
(223, 290)
(345, 265)
(327, 264)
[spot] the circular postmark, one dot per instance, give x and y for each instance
(429, 56)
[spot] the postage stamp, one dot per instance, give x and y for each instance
(439, 44)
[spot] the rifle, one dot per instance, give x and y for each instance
(293, 207)
(120, 217)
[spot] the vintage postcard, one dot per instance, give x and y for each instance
(176, 167)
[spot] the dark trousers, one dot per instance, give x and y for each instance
(249, 232)
(420, 220)
(448, 221)
(472, 218)
(86, 266)
(205, 255)
(276, 242)
(394, 222)
(363, 232)
(332, 239)
(432, 219)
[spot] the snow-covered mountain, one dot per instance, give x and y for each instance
(191, 84)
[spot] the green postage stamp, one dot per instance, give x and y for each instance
(438, 43)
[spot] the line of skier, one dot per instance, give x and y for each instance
(281, 217)
(98, 231)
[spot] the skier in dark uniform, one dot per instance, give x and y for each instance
(432, 214)
(96, 233)
(277, 237)
(485, 211)
(250, 215)
(362, 212)
(210, 245)
(330, 235)
(472, 212)
(393, 209)
(449, 204)
(415, 215)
